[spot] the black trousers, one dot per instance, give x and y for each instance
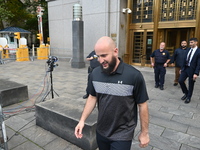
(90, 69)
(106, 144)
(187, 73)
(160, 72)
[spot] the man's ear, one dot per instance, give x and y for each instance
(116, 50)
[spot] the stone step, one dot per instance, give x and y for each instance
(12, 92)
(61, 115)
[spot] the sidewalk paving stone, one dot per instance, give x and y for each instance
(38, 135)
(28, 145)
(171, 120)
(194, 131)
(186, 147)
(182, 138)
(164, 143)
(16, 139)
(169, 124)
(186, 121)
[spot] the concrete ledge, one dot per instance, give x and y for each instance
(61, 115)
(12, 92)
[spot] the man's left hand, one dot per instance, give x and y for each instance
(144, 140)
(195, 77)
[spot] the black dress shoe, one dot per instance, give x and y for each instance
(175, 84)
(85, 96)
(161, 87)
(187, 100)
(156, 86)
(184, 97)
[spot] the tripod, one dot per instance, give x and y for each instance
(51, 90)
(4, 141)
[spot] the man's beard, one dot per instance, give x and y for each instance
(183, 47)
(111, 66)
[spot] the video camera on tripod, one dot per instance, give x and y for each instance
(51, 62)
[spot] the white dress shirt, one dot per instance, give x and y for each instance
(194, 50)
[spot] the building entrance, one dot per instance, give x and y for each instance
(142, 47)
(173, 38)
(142, 42)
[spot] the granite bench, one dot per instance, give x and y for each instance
(12, 92)
(61, 115)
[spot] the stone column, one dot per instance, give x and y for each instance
(78, 44)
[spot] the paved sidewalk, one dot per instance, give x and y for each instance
(174, 125)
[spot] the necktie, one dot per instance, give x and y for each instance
(188, 58)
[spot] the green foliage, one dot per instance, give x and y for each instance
(22, 13)
(4, 13)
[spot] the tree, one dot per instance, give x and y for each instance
(4, 13)
(32, 6)
(22, 13)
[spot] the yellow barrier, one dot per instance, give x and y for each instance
(1, 52)
(6, 55)
(22, 53)
(43, 52)
(4, 52)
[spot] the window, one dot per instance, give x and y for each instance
(178, 10)
(143, 11)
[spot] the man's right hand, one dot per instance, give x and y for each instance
(78, 130)
(89, 106)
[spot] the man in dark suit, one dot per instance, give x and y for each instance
(190, 69)
(178, 58)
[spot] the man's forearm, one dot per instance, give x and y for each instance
(144, 117)
(89, 106)
(152, 60)
(168, 60)
(144, 122)
(90, 58)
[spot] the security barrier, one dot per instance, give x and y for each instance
(4, 52)
(9, 53)
(18, 54)
(1, 50)
(43, 52)
(22, 53)
(30, 54)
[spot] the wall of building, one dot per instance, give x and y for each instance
(101, 18)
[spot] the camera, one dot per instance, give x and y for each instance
(124, 10)
(127, 10)
(51, 62)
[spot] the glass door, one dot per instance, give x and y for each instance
(137, 47)
(149, 46)
(142, 48)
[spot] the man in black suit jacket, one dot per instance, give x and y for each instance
(190, 69)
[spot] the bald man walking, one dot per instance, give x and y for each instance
(118, 89)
